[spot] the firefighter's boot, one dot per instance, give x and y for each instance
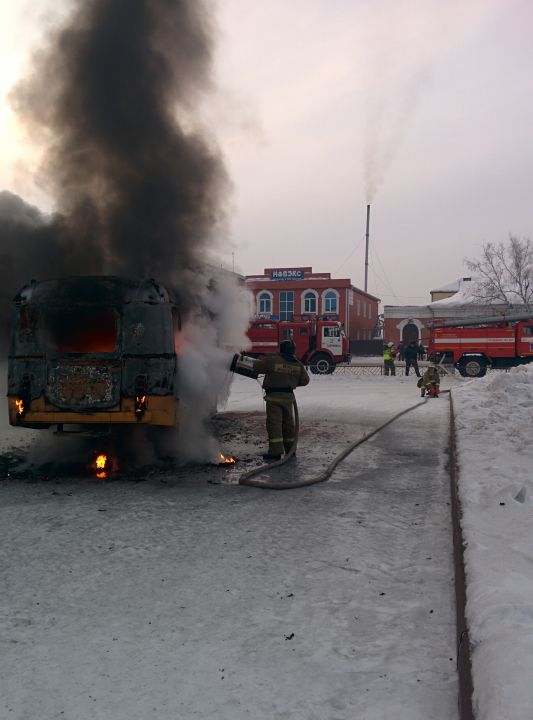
(271, 457)
(287, 446)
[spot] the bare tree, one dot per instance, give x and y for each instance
(504, 273)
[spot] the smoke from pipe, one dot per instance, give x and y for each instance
(406, 41)
(140, 189)
(385, 130)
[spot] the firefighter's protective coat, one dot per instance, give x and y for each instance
(281, 377)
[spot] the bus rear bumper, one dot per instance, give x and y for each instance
(159, 411)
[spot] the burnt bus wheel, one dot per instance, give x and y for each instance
(321, 364)
(473, 367)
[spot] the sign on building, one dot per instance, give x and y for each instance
(287, 275)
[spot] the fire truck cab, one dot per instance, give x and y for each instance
(320, 343)
(93, 352)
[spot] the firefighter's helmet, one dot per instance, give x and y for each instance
(288, 347)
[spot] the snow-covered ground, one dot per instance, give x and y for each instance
(495, 452)
(186, 597)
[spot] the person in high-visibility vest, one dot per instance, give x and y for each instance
(283, 373)
(389, 353)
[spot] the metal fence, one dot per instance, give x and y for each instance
(377, 370)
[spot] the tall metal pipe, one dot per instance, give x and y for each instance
(367, 240)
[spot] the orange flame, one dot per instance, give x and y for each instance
(226, 460)
(139, 405)
(101, 462)
(20, 406)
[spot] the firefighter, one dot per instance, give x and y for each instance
(411, 358)
(430, 382)
(389, 353)
(283, 373)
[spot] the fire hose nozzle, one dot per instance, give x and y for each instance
(243, 365)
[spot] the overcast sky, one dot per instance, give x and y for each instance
(423, 108)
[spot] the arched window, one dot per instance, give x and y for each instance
(413, 327)
(331, 302)
(264, 303)
(309, 304)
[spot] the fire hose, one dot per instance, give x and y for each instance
(245, 479)
(243, 365)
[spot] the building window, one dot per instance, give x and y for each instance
(364, 309)
(369, 311)
(358, 330)
(358, 307)
(286, 305)
(330, 301)
(264, 303)
(309, 302)
(364, 335)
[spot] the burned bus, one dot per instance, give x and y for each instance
(91, 353)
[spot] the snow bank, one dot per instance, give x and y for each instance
(495, 451)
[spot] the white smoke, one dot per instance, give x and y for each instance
(386, 127)
(405, 41)
(207, 343)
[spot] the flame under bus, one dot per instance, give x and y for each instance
(94, 352)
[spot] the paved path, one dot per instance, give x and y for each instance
(180, 598)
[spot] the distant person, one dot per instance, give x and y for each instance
(401, 351)
(411, 358)
(421, 351)
(430, 384)
(389, 353)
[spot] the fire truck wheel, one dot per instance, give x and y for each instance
(472, 367)
(322, 364)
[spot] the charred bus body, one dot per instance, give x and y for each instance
(93, 352)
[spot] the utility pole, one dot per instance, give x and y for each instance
(367, 240)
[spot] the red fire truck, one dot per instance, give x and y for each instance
(473, 344)
(321, 344)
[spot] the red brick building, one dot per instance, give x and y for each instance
(282, 293)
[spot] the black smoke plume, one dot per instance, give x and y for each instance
(137, 190)
(139, 187)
